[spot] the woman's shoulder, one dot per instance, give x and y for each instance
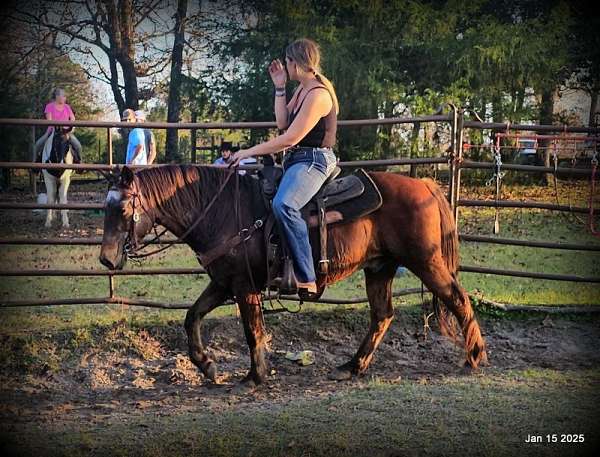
(313, 94)
(49, 106)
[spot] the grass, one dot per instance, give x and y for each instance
(514, 223)
(489, 415)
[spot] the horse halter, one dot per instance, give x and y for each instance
(131, 242)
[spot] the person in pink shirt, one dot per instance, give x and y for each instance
(59, 110)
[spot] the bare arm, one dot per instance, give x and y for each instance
(152, 153)
(72, 118)
(281, 112)
(279, 78)
(138, 150)
(317, 104)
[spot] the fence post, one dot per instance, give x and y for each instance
(452, 155)
(193, 137)
(32, 173)
(459, 155)
(111, 286)
(109, 145)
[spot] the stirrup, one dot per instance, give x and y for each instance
(305, 295)
(286, 283)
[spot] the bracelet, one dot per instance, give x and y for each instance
(279, 92)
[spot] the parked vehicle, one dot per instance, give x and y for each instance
(526, 153)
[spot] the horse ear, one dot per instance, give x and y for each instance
(126, 177)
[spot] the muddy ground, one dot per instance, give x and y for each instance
(121, 371)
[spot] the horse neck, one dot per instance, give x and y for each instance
(185, 206)
(47, 151)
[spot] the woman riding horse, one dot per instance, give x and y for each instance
(59, 110)
(413, 227)
(311, 122)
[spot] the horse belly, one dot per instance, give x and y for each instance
(349, 247)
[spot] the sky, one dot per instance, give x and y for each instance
(162, 21)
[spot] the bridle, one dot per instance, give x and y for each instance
(132, 247)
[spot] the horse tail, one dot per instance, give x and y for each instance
(449, 239)
(449, 244)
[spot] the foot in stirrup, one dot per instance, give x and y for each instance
(309, 291)
(310, 287)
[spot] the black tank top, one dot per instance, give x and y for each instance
(322, 135)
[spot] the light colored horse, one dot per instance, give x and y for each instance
(57, 149)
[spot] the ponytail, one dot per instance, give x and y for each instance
(329, 85)
(306, 54)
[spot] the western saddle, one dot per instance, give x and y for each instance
(340, 200)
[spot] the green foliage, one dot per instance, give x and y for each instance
(399, 58)
(25, 94)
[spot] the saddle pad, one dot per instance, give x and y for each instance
(349, 209)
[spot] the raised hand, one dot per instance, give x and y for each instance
(277, 73)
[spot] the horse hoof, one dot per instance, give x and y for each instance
(340, 374)
(468, 369)
(210, 371)
(244, 387)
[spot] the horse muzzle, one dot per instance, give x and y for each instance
(113, 258)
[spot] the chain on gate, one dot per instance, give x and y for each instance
(497, 178)
(591, 226)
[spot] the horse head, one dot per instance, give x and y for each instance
(126, 220)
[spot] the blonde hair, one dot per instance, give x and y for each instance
(307, 55)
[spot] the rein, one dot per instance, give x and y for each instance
(243, 235)
(133, 253)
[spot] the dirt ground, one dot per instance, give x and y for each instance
(116, 372)
(71, 392)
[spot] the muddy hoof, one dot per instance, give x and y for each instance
(210, 371)
(340, 374)
(244, 387)
(468, 369)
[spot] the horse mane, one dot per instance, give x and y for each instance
(181, 190)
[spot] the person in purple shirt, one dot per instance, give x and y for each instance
(59, 110)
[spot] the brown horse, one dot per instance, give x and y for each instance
(414, 227)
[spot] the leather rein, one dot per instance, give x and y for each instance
(132, 248)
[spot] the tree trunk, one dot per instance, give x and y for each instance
(497, 115)
(174, 107)
(593, 105)
(519, 99)
(120, 30)
(127, 53)
(114, 83)
(546, 117)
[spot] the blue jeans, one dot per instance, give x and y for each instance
(304, 174)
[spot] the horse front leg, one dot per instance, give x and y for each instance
(62, 195)
(50, 182)
(252, 316)
(210, 298)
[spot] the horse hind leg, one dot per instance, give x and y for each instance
(436, 276)
(379, 293)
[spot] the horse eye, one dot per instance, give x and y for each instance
(125, 205)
